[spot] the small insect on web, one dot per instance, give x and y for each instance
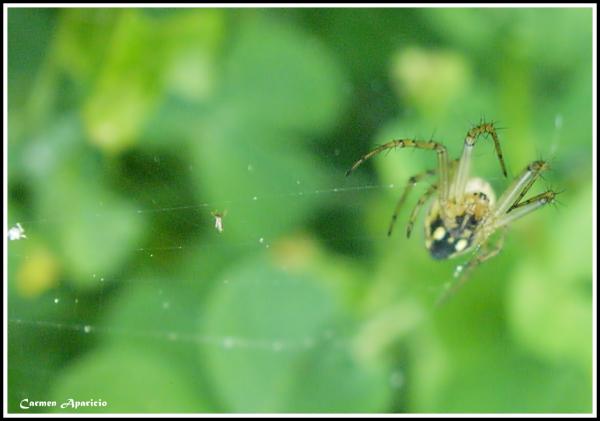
(219, 219)
(464, 213)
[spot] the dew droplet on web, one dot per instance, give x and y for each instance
(56, 300)
(255, 198)
(87, 328)
(458, 271)
(261, 240)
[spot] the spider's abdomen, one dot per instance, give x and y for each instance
(454, 233)
(445, 242)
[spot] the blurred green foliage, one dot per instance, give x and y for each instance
(127, 127)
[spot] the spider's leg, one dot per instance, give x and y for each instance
(415, 212)
(464, 271)
(519, 187)
(412, 181)
(440, 149)
(464, 166)
(538, 168)
(487, 128)
(522, 209)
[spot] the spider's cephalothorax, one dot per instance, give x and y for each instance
(465, 212)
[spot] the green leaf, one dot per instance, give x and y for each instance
(277, 331)
(94, 242)
(280, 77)
(492, 377)
(194, 40)
(129, 380)
(550, 307)
(330, 379)
(80, 46)
(94, 230)
(158, 312)
(129, 83)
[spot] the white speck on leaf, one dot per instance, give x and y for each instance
(16, 233)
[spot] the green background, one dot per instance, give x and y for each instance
(128, 127)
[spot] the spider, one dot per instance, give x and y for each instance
(465, 213)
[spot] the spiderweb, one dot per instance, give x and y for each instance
(206, 260)
(202, 211)
(104, 287)
(351, 193)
